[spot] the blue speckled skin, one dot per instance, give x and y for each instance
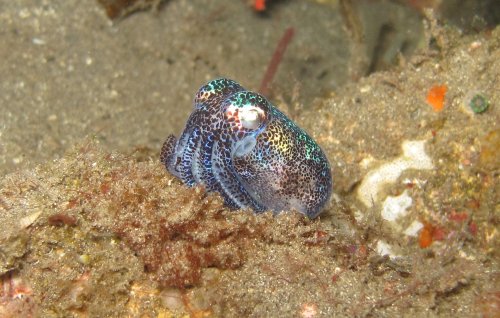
(237, 143)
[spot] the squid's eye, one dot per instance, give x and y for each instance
(251, 117)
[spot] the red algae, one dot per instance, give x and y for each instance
(272, 67)
(176, 231)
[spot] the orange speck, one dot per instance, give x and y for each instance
(473, 204)
(259, 5)
(335, 278)
(425, 237)
(435, 97)
(105, 187)
(363, 250)
(72, 203)
(458, 216)
(431, 233)
(438, 233)
(309, 310)
(473, 228)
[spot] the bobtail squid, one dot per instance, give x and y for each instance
(237, 143)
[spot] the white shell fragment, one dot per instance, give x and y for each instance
(395, 207)
(414, 228)
(413, 157)
(29, 219)
(383, 249)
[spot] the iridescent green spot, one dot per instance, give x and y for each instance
(478, 103)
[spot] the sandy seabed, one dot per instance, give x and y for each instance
(105, 231)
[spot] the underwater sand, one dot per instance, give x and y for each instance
(94, 226)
